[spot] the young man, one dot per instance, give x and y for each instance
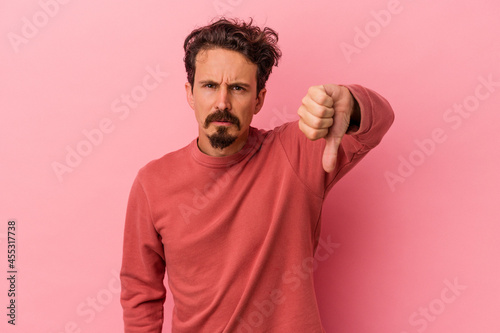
(234, 217)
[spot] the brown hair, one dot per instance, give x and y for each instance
(258, 46)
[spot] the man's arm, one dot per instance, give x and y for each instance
(330, 111)
(143, 268)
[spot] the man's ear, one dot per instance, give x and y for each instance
(260, 100)
(189, 95)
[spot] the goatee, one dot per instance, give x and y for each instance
(222, 139)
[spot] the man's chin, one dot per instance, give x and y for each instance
(221, 139)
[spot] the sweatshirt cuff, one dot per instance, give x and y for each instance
(377, 116)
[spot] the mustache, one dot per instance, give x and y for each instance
(223, 115)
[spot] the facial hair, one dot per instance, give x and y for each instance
(221, 138)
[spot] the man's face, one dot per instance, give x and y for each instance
(224, 99)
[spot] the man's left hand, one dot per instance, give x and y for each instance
(326, 112)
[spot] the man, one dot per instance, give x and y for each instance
(233, 216)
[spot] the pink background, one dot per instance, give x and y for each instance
(420, 213)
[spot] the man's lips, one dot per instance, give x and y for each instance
(222, 122)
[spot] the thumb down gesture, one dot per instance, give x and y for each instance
(326, 112)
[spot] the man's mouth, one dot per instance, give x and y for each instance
(222, 122)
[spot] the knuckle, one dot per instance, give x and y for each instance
(308, 132)
(317, 134)
(323, 98)
(317, 123)
(323, 112)
(300, 111)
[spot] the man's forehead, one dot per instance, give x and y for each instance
(213, 63)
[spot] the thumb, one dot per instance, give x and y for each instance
(330, 152)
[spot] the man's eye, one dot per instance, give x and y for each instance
(209, 85)
(238, 88)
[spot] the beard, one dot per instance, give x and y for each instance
(222, 139)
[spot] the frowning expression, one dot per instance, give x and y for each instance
(224, 98)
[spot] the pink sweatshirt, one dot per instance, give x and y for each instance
(236, 234)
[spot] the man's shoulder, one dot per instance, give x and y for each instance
(288, 131)
(291, 126)
(274, 138)
(166, 163)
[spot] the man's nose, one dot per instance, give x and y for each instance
(223, 99)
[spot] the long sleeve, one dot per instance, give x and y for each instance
(143, 267)
(377, 117)
(305, 156)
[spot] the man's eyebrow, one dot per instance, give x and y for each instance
(242, 84)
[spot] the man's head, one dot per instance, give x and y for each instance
(257, 45)
(227, 65)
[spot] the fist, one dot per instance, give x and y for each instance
(326, 112)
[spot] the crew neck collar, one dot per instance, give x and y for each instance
(254, 140)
